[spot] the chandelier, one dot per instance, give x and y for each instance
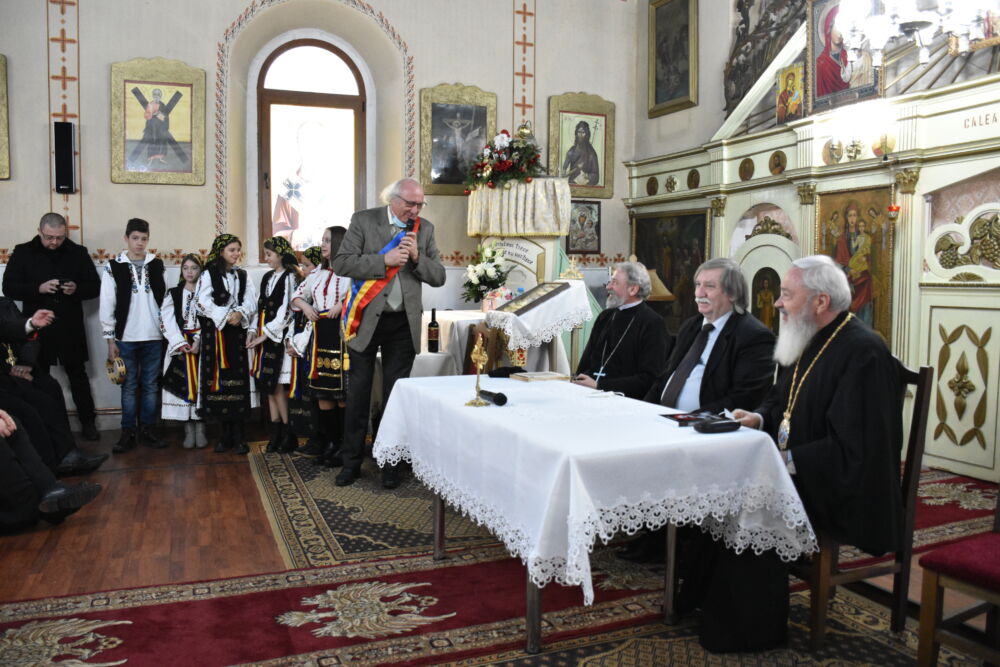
(871, 24)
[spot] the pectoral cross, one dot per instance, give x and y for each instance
(599, 374)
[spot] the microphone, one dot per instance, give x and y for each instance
(495, 396)
(409, 225)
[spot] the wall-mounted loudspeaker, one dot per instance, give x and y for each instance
(64, 143)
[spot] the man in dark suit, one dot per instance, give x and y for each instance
(722, 357)
(392, 247)
(51, 272)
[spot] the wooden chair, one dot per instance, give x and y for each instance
(972, 567)
(823, 573)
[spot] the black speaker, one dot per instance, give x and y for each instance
(65, 142)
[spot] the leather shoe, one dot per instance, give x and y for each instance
(63, 499)
(88, 431)
(390, 477)
(76, 462)
(331, 457)
(313, 448)
(346, 477)
(150, 439)
(125, 442)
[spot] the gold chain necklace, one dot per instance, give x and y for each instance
(793, 391)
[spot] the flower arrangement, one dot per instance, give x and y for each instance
(485, 274)
(506, 159)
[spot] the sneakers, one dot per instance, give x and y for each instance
(126, 442)
(150, 439)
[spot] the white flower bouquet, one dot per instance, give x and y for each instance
(485, 274)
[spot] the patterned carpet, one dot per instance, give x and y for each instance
(465, 611)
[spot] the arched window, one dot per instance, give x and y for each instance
(311, 116)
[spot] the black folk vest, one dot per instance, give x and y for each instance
(122, 273)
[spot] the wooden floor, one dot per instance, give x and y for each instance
(164, 516)
(167, 516)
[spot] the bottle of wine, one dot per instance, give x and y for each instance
(433, 333)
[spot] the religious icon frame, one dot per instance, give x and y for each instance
(184, 87)
(873, 86)
(577, 244)
(666, 27)
(832, 226)
(566, 112)
(4, 122)
(670, 240)
(435, 102)
(798, 69)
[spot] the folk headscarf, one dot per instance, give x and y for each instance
(279, 245)
(314, 255)
(220, 242)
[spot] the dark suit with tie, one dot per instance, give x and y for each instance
(740, 369)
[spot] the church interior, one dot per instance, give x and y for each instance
(763, 131)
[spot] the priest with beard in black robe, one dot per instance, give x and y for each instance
(836, 416)
(628, 344)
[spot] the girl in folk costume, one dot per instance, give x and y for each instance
(227, 305)
(319, 298)
(179, 319)
(272, 366)
(303, 413)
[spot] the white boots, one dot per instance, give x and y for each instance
(194, 435)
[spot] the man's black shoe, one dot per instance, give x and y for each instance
(125, 442)
(313, 447)
(390, 477)
(150, 439)
(346, 477)
(331, 457)
(76, 462)
(63, 499)
(88, 431)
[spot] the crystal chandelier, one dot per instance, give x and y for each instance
(871, 24)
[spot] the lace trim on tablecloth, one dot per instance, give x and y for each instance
(716, 510)
(521, 339)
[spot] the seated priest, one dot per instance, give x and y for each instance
(722, 359)
(629, 341)
(836, 416)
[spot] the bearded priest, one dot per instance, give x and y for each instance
(628, 344)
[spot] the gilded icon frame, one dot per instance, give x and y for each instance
(183, 87)
(446, 98)
(4, 123)
(661, 63)
(566, 113)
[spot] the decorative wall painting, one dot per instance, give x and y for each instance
(855, 231)
(672, 56)
(764, 290)
(157, 122)
(790, 98)
(582, 143)
(456, 121)
(584, 236)
(833, 81)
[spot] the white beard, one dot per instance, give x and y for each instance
(613, 301)
(795, 335)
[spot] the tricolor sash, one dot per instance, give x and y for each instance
(364, 292)
(191, 367)
(221, 360)
(258, 353)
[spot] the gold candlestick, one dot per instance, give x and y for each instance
(479, 358)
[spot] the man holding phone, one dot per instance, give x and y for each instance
(51, 272)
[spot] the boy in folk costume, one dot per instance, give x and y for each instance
(132, 290)
(272, 366)
(319, 298)
(303, 413)
(227, 305)
(179, 317)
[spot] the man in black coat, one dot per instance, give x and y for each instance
(730, 364)
(34, 398)
(629, 341)
(52, 272)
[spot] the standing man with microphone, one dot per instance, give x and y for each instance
(390, 252)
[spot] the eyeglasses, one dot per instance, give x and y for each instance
(412, 204)
(52, 237)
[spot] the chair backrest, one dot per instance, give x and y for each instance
(922, 381)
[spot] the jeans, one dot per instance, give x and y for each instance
(143, 360)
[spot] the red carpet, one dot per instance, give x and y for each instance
(404, 610)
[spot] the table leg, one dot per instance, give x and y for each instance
(532, 616)
(438, 528)
(670, 615)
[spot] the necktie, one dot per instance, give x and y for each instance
(690, 360)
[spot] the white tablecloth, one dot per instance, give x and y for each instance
(560, 313)
(561, 465)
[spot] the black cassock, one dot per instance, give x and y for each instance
(846, 437)
(630, 345)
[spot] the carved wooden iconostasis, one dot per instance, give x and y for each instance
(928, 281)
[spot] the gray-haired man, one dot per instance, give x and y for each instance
(628, 343)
